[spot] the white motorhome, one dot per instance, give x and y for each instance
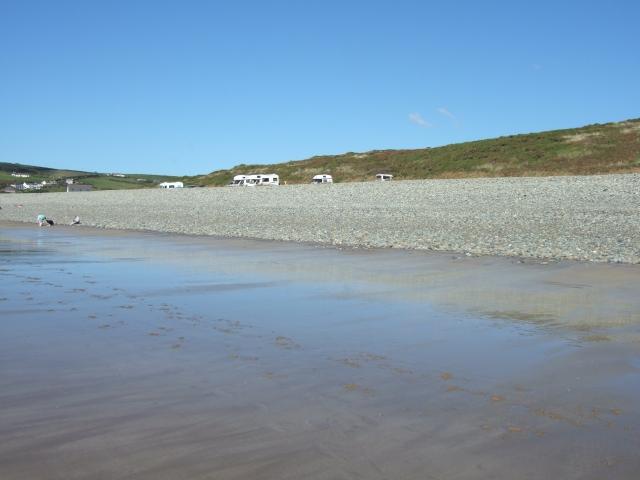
(322, 179)
(237, 181)
(262, 179)
(171, 185)
(384, 177)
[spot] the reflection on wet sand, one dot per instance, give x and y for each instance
(216, 358)
(570, 294)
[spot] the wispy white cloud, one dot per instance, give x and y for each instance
(416, 118)
(450, 115)
(537, 66)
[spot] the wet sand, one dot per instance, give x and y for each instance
(151, 356)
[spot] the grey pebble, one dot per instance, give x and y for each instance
(595, 218)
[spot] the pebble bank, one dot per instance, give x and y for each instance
(594, 218)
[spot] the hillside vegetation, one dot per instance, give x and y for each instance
(100, 181)
(591, 150)
(594, 149)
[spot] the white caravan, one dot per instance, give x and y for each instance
(255, 180)
(171, 185)
(322, 179)
(384, 177)
(238, 181)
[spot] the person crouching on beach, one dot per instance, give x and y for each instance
(76, 221)
(42, 220)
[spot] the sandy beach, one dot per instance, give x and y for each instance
(145, 356)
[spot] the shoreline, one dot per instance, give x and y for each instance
(557, 218)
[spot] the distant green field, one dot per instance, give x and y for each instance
(98, 180)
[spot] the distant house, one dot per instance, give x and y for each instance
(79, 187)
(117, 175)
(26, 186)
(25, 175)
(9, 189)
(69, 181)
(50, 183)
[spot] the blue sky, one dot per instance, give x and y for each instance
(194, 86)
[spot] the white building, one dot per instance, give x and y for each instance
(26, 186)
(79, 187)
(25, 175)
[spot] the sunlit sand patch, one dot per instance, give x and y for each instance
(401, 371)
(446, 376)
(177, 345)
(104, 326)
(233, 356)
(370, 357)
(514, 429)
(453, 388)
(556, 416)
(348, 362)
(154, 334)
(284, 342)
(496, 398)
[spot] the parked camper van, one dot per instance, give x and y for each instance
(262, 179)
(238, 181)
(384, 177)
(322, 179)
(171, 185)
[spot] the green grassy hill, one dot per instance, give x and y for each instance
(100, 181)
(594, 149)
(591, 150)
